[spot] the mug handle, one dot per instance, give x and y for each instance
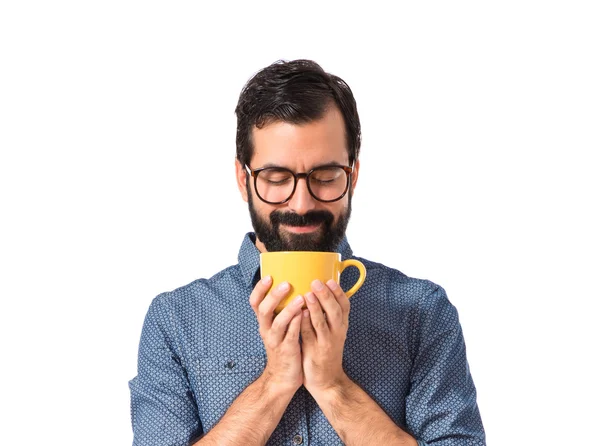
(361, 278)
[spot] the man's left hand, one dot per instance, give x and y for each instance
(324, 328)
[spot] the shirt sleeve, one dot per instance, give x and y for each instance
(441, 406)
(163, 409)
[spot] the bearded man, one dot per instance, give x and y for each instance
(218, 366)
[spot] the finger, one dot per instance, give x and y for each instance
(293, 332)
(328, 302)
(341, 298)
(306, 329)
(317, 317)
(281, 323)
(259, 292)
(269, 303)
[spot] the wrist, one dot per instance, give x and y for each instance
(275, 388)
(337, 390)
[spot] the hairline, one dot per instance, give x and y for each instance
(331, 104)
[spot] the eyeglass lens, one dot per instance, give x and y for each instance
(326, 183)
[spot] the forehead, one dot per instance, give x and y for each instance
(301, 146)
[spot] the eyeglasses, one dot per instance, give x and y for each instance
(276, 185)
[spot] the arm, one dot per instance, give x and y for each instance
(441, 408)
(163, 410)
(252, 417)
(162, 405)
(441, 405)
(355, 416)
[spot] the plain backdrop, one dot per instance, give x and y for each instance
(479, 171)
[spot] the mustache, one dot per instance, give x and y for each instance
(308, 219)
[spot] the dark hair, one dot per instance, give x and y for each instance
(297, 92)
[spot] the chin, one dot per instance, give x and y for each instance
(309, 241)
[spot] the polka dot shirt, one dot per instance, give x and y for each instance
(200, 348)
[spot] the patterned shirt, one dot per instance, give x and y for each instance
(200, 348)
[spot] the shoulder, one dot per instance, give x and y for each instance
(189, 298)
(418, 303)
(398, 286)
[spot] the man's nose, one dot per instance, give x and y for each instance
(302, 201)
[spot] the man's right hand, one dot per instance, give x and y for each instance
(256, 412)
(280, 334)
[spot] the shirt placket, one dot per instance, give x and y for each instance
(300, 436)
(295, 422)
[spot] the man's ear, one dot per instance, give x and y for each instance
(355, 175)
(241, 176)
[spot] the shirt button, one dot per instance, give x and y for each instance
(297, 439)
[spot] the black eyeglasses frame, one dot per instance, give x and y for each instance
(301, 175)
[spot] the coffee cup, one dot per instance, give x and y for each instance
(301, 268)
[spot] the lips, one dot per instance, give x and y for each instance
(301, 229)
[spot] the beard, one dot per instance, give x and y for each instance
(326, 239)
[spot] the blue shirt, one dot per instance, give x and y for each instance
(200, 348)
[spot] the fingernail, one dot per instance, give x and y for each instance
(283, 286)
(266, 280)
(332, 284)
(306, 313)
(318, 285)
(311, 298)
(299, 300)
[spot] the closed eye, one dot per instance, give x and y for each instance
(281, 182)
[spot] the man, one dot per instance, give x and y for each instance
(217, 366)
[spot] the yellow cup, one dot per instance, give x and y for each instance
(300, 268)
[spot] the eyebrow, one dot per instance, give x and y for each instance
(332, 163)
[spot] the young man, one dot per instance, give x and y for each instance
(217, 366)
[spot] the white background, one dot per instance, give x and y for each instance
(479, 172)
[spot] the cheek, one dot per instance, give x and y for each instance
(339, 208)
(262, 209)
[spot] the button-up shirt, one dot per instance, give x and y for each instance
(200, 348)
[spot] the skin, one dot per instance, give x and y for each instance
(306, 146)
(317, 362)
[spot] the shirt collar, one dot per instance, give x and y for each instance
(249, 256)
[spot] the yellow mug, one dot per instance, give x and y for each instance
(300, 268)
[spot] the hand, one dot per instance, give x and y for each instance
(324, 328)
(280, 334)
